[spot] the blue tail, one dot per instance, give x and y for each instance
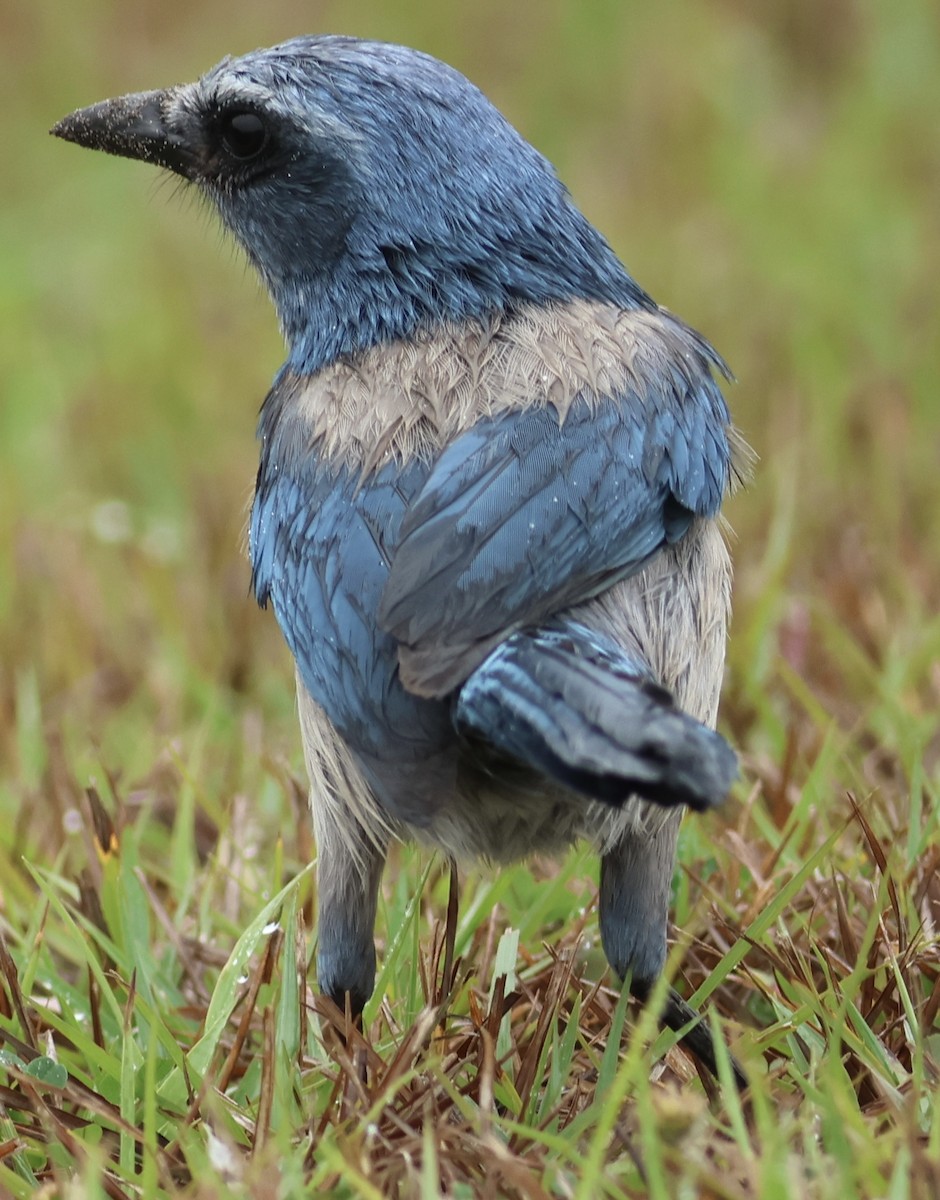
(571, 703)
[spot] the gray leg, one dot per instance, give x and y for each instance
(636, 876)
(635, 881)
(348, 892)
(349, 864)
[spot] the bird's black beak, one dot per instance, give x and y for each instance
(132, 126)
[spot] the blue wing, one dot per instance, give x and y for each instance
(525, 515)
(320, 548)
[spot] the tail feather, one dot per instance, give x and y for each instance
(570, 702)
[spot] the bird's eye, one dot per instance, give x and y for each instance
(243, 134)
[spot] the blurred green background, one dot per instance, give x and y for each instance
(771, 172)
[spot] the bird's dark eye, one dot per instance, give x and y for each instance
(244, 134)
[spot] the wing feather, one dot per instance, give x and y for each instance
(526, 514)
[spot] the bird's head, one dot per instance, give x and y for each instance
(375, 189)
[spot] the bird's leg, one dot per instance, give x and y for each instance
(349, 869)
(636, 876)
(698, 1039)
(634, 901)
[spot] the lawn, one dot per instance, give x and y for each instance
(772, 176)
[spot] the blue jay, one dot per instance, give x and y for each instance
(487, 509)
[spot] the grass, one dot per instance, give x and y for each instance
(771, 177)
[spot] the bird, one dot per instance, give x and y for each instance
(487, 513)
